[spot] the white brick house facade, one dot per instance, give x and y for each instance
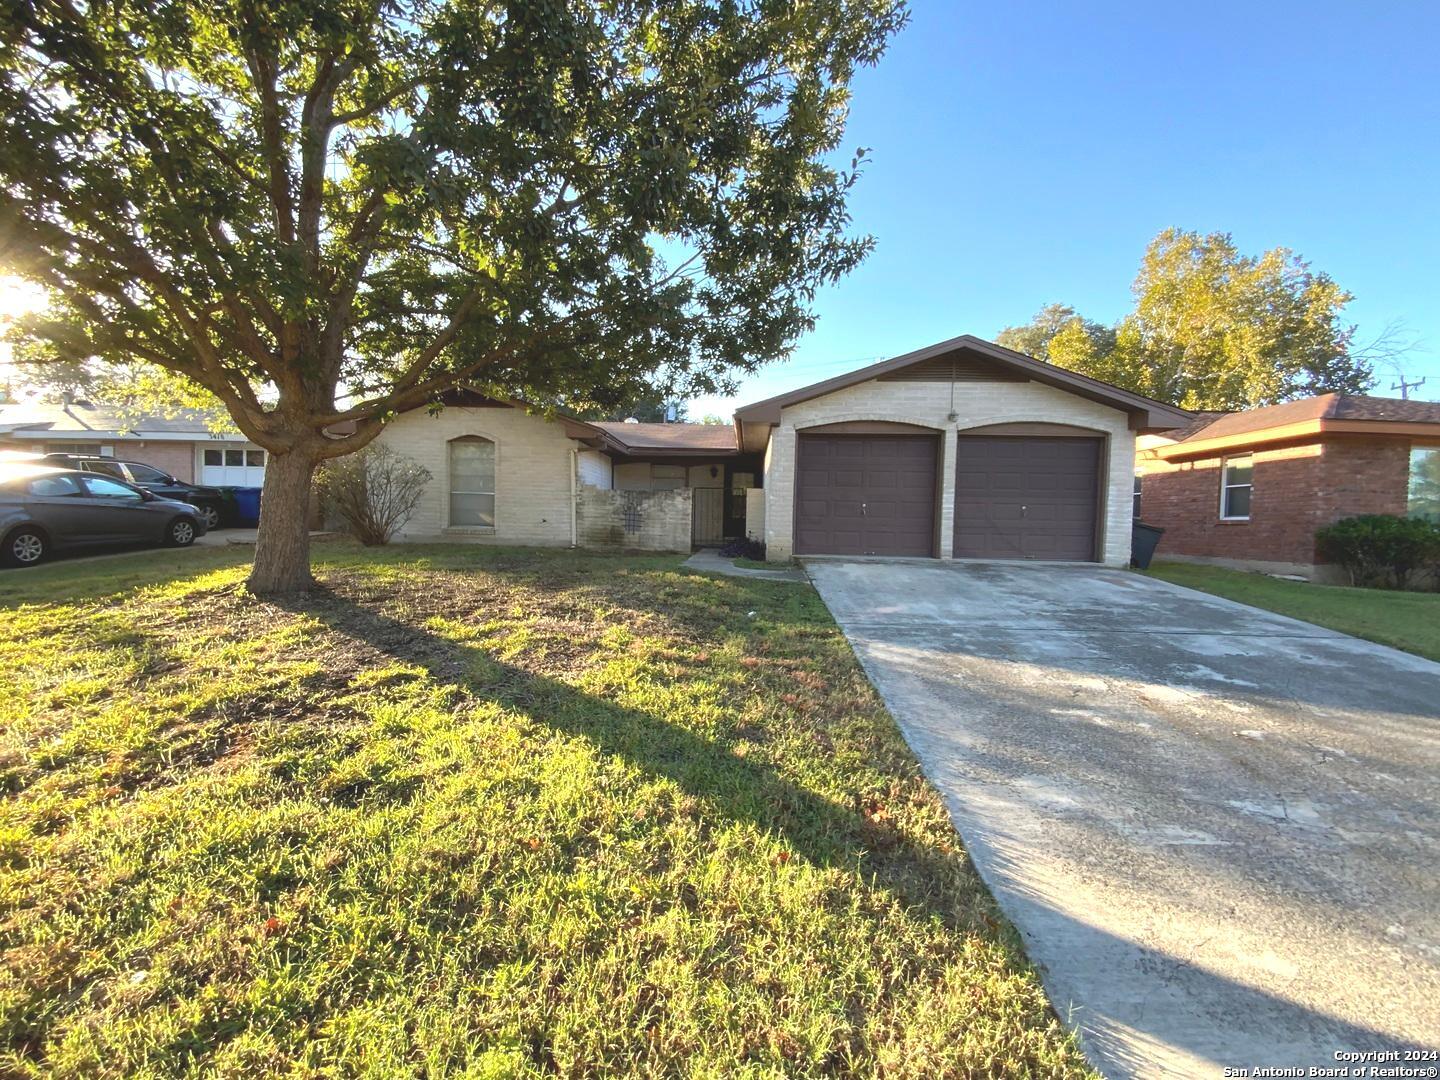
(1047, 473)
(533, 470)
(977, 404)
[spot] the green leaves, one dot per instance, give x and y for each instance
(286, 201)
(1211, 329)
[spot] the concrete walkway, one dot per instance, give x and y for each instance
(1217, 829)
(711, 562)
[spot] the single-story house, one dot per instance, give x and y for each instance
(504, 474)
(963, 449)
(184, 446)
(1249, 489)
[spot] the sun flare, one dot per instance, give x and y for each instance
(19, 297)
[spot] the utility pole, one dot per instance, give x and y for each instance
(1405, 387)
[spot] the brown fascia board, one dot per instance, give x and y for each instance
(1313, 429)
(1146, 414)
(600, 438)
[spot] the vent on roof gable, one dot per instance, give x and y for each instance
(954, 367)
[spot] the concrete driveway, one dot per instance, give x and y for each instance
(1217, 829)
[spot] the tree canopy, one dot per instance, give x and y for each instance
(1212, 328)
(324, 212)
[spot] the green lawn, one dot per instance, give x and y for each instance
(476, 812)
(1406, 620)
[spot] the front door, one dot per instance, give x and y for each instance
(709, 515)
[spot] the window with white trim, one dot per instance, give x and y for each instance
(1236, 485)
(93, 449)
(1424, 493)
(472, 482)
(232, 465)
(1135, 509)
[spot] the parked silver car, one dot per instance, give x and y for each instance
(43, 509)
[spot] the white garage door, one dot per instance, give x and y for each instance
(232, 465)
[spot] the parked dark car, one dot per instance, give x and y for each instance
(210, 501)
(44, 509)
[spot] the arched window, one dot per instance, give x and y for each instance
(472, 482)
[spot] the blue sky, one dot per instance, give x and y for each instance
(1026, 152)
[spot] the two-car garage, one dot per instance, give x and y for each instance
(1015, 497)
(963, 449)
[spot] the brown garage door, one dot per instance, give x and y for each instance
(1025, 497)
(865, 495)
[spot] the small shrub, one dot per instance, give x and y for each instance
(373, 491)
(743, 548)
(1380, 548)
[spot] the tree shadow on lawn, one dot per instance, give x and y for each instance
(824, 832)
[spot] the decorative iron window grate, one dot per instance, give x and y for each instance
(631, 514)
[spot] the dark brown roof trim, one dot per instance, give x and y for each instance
(1146, 414)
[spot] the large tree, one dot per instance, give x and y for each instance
(324, 212)
(1212, 328)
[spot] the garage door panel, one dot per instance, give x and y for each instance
(865, 494)
(1026, 497)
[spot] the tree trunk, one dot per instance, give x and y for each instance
(282, 547)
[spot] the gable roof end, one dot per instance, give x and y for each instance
(1146, 414)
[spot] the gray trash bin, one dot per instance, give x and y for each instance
(1144, 539)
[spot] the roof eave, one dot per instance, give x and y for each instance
(1301, 429)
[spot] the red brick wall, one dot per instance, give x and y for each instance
(175, 458)
(1297, 489)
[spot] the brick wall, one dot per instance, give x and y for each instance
(175, 458)
(977, 404)
(1297, 489)
(532, 473)
(620, 520)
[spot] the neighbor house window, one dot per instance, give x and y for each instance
(472, 482)
(93, 449)
(1424, 500)
(1235, 487)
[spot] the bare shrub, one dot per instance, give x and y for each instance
(373, 491)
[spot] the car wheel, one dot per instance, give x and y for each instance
(181, 533)
(24, 547)
(210, 515)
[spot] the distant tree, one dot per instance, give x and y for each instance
(1212, 328)
(1034, 338)
(713, 419)
(328, 212)
(651, 409)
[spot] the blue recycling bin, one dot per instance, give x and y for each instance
(247, 507)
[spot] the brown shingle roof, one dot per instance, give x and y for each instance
(1324, 407)
(716, 437)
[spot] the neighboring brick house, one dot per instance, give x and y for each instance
(1249, 489)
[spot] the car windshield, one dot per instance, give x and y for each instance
(146, 475)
